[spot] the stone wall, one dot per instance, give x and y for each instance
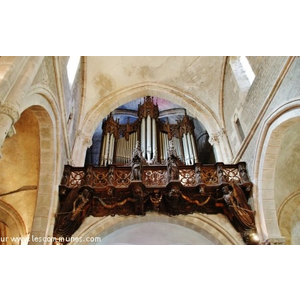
(288, 90)
(248, 109)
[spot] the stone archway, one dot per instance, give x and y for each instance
(214, 229)
(41, 104)
(194, 107)
(19, 170)
(289, 218)
(13, 221)
(267, 156)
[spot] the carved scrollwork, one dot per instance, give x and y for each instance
(122, 178)
(209, 176)
(112, 190)
(228, 175)
(155, 177)
(187, 177)
(76, 179)
(100, 179)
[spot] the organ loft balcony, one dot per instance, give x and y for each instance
(151, 164)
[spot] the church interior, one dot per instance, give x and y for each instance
(150, 150)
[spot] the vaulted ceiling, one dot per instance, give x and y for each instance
(198, 77)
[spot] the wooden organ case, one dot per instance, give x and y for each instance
(151, 165)
(119, 140)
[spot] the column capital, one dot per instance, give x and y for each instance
(11, 112)
(275, 241)
(215, 138)
(87, 140)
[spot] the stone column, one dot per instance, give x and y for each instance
(82, 142)
(214, 140)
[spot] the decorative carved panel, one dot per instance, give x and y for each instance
(112, 190)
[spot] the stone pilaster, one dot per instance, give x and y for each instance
(8, 117)
(82, 142)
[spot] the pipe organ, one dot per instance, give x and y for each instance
(149, 164)
(154, 135)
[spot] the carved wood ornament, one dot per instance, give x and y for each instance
(167, 184)
(116, 190)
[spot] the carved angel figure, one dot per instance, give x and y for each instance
(239, 212)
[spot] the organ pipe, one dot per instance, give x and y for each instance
(119, 140)
(103, 150)
(194, 149)
(154, 139)
(143, 137)
(190, 150)
(148, 141)
(185, 148)
(111, 149)
(106, 149)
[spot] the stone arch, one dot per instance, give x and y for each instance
(41, 102)
(194, 107)
(272, 134)
(12, 219)
(215, 228)
(287, 211)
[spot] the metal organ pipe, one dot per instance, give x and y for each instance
(148, 142)
(185, 150)
(111, 149)
(106, 149)
(103, 151)
(176, 144)
(154, 138)
(190, 150)
(131, 142)
(194, 149)
(143, 137)
(154, 143)
(161, 153)
(166, 145)
(126, 151)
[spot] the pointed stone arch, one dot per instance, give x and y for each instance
(272, 134)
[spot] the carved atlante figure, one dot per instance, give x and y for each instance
(239, 213)
(72, 213)
(173, 198)
(156, 199)
(140, 199)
